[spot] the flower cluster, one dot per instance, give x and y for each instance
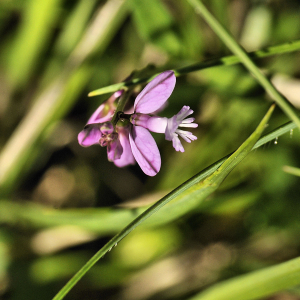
(130, 140)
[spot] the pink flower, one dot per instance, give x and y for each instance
(127, 157)
(180, 120)
(91, 133)
(99, 130)
(149, 100)
(157, 124)
(169, 126)
(127, 142)
(106, 110)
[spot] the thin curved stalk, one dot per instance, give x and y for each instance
(230, 42)
(193, 192)
(223, 61)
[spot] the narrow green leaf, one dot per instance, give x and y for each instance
(107, 89)
(33, 35)
(223, 61)
(257, 284)
(292, 170)
(74, 27)
(230, 42)
(50, 103)
(242, 151)
(201, 189)
(191, 196)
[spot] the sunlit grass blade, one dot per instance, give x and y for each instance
(241, 152)
(74, 27)
(122, 85)
(223, 61)
(192, 196)
(54, 101)
(33, 36)
(291, 170)
(245, 59)
(107, 89)
(203, 187)
(234, 59)
(257, 284)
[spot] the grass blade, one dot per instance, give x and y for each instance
(223, 61)
(256, 284)
(192, 196)
(53, 103)
(292, 170)
(245, 59)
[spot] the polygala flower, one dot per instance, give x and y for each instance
(99, 130)
(149, 100)
(129, 139)
(180, 120)
(91, 133)
(169, 126)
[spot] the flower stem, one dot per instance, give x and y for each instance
(234, 59)
(121, 104)
(245, 59)
(223, 61)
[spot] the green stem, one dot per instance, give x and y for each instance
(120, 107)
(233, 59)
(223, 61)
(291, 170)
(245, 59)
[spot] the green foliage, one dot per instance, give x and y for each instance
(32, 39)
(160, 32)
(257, 284)
(210, 225)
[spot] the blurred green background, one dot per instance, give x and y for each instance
(60, 203)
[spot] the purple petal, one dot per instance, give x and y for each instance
(127, 156)
(106, 128)
(102, 114)
(177, 144)
(152, 123)
(90, 135)
(145, 150)
(106, 110)
(114, 150)
(155, 93)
